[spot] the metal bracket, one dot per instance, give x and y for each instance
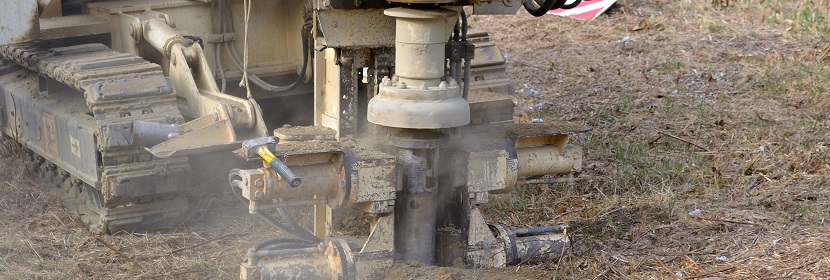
(210, 133)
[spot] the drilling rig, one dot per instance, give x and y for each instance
(393, 109)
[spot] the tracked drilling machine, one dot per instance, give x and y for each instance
(391, 108)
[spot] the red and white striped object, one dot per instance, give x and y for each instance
(588, 9)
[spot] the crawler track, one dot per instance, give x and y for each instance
(78, 132)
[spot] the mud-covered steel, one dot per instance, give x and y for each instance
(335, 262)
(417, 97)
(416, 207)
(321, 180)
(549, 159)
(161, 35)
(356, 28)
(19, 20)
(132, 190)
(250, 147)
(151, 133)
(539, 246)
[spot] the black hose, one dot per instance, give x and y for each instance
(273, 244)
(282, 241)
(571, 5)
(234, 179)
(305, 235)
(539, 9)
(286, 216)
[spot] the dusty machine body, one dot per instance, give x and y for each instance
(389, 108)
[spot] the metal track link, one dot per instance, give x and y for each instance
(488, 69)
(134, 191)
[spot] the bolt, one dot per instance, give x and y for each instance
(402, 85)
(424, 85)
(258, 182)
(442, 85)
(258, 194)
(453, 83)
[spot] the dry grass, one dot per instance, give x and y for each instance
(41, 240)
(746, 82)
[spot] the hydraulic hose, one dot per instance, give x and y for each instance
(537, 9)
(281, 247)
(286, 216)
(304, 235)
(233, 54)
(234, 180)
(282, 240)
(571, 5)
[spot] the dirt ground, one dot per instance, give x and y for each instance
(709, 157)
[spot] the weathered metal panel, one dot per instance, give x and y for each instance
(503, 7)
(56, 127)
(357, 28)
(19, 21)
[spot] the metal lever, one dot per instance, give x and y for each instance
(279, 167)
